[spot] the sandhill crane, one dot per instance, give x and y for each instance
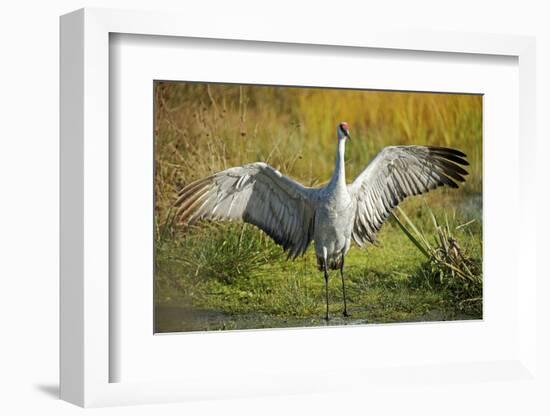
(332, 216)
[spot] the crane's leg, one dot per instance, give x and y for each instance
(326, 290)
(344, 288)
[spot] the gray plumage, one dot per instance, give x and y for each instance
(258, 194)
(396, 173)
(332, 216)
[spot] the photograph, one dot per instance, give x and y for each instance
(298, 206)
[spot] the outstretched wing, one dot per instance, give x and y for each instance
(396, 173)
(258, 194)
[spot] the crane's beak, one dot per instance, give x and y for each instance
(348, 135)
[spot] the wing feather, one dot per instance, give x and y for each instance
(396, 173)
(258, 194)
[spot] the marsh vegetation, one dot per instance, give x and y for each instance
(427, 265)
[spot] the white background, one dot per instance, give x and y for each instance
(29, 206)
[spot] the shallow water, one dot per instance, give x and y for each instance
(472, 206)
(173, 318)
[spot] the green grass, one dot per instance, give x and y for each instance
(450, 265)
(230, 275)
(391, 282)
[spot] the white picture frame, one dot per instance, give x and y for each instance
(86, 353)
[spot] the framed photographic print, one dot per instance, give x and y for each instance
(248, 215)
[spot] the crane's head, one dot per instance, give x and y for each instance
(343, 131)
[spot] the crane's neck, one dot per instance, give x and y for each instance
(339, 175)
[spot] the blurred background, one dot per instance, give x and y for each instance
(215, 276)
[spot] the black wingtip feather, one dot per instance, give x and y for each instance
(451, 157)
(449, 166)
(449, 161)
(447, 150)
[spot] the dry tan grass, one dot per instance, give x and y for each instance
(203, 128)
